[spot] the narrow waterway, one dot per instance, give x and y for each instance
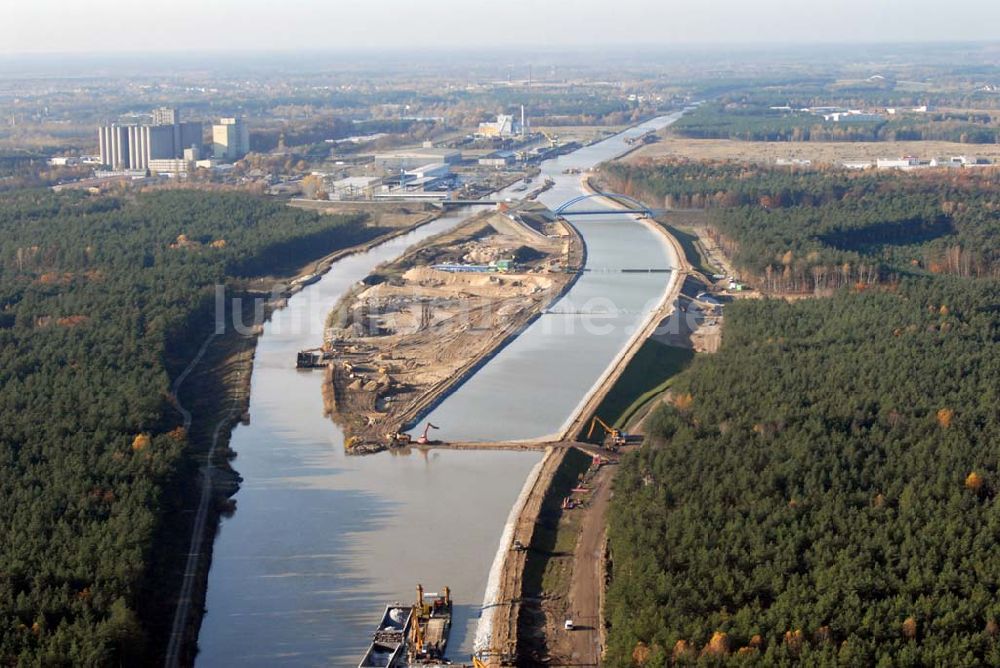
(531, 388)
(320, 541)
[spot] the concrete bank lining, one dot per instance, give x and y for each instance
(491, 598)
(596, 394)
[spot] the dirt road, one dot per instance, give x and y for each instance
(587, 584)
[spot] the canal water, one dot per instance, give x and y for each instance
(320, 541)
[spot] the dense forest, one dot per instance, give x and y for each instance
(102, 301)
(802, 230)
(756, 120)
(822, 491)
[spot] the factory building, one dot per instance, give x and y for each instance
(416, 158)
(230, 139)
(166, 116)
(355, 187)
(133, 146)
(498, 159)
(505, 126)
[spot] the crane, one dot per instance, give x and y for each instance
(553, 138)
(615, 438)
(422, 440)
(417, 630)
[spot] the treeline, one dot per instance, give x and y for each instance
(715, 121)
(102, 301)
(802, 230)
(822, 491)
(759, 122)
(267, 139)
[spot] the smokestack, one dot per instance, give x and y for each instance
(524, 131)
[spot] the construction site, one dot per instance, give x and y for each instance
(415, 328)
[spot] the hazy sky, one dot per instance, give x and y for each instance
(172, 25)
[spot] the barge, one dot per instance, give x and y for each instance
(412, 636)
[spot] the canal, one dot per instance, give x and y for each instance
(320, 541)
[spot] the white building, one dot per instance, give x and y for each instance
(230, 139)
(410, 159)
(502, 128)
(355, 187)
(853, 116)
(897, 163)
(433, 170)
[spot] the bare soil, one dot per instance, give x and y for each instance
(412, 331)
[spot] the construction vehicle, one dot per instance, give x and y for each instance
(553, 138)
(430, 627)
(398, 439)
(423, 440)
(614, 438)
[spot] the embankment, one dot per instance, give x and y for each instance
(550, 480)
(212, 395)
(426, 404)
(496, 638)
(578, 419)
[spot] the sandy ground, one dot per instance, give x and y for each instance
(818, 152)
(581, 133)
(587, 585)
(413, 334)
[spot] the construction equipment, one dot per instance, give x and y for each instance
(553, 138)
(398, 439)
(423, 440)
(430, 626)
(614, 439)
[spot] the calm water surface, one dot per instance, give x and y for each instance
(320, 542)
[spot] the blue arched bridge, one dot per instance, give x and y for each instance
(634, 206)
(631, 204)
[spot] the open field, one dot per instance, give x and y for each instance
(380, 214)
(818, 152)
(585, 134)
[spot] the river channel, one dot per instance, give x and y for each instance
(320, 541)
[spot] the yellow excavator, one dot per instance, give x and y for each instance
(614, 438)
(553, 138)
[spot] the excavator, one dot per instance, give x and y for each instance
(422, 439)
(614, 439)
(430, 626)
(398, 439)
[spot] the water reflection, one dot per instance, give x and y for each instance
(320, 542)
